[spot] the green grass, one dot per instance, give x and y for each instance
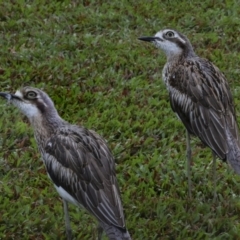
(88, 59)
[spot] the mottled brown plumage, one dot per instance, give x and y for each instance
(77, 160)
(200, 96)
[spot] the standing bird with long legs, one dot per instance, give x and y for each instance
(201, 98)
(77, 160)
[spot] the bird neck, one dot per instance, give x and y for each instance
(177, 56)
(174, 58)
(45, 126)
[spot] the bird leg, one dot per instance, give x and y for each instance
(67, 220)
(214, 177)
(100, 232)
(189, 162)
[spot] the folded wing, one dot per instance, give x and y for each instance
(200, 95)
(79, 161)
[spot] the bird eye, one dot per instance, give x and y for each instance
(31, 95)
(170, 34)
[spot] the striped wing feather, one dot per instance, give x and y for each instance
(80, 162)
(200, 95)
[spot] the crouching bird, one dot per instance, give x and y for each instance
(77, 160)
(200, 96)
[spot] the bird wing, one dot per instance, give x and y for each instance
(79, 161)
(201, 97)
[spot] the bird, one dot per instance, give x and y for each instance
(200, 96)
(77, 160)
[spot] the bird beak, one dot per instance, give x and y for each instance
(148, 39)
(9, 96)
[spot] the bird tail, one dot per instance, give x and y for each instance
(115, 233)
(233, 155)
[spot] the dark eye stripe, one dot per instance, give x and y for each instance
(41, 106)
(176, 40)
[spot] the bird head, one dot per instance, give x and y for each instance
(171, 42)
(32, 102)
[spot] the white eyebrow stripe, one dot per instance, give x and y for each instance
(18, 93)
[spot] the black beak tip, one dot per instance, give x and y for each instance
(147, 39)
(7, 96)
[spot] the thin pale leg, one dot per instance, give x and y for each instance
(214, 177)
(100, 232)
(189, 162)
(67, 220)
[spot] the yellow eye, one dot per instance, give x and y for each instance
(169, 34)
(31, 95)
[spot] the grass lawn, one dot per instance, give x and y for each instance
(88, 59)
